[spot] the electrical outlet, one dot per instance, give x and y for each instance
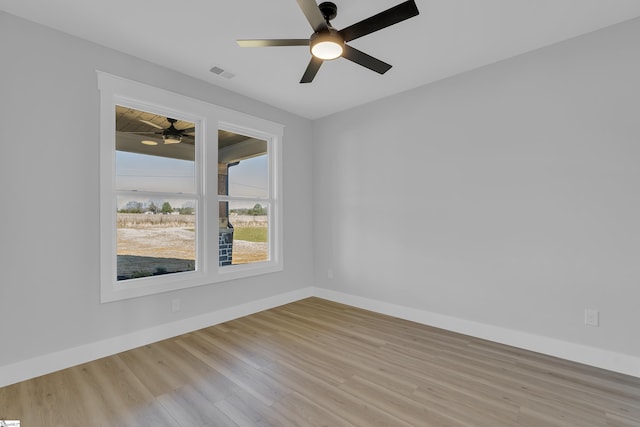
(330, 273)
(591, 317)
(175, 305)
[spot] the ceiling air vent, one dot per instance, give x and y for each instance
(222, 73)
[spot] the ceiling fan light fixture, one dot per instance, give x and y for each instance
(149, 142)
(172, 139)
(326, 45)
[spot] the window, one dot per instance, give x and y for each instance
(190, 192)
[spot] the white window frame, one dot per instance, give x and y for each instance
(208, 118)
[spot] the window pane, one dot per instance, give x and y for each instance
(155, 237)
(154, 153)
(243, 172)
(242, 166)
(244, 233)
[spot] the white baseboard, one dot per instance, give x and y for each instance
(592, 356)
(41, 365)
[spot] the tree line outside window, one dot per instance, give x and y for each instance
(135, 207)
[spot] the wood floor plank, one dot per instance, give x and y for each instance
(260, 414)
(320, 363)
(305, 412)
(150, 366)
(352, 408)
(189, 407)
(242, 375)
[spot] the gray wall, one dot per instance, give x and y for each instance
(49, 218)
(507, 196)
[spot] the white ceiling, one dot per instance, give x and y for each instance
(447, 38)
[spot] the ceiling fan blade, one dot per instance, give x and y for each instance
(365, 60)
(187, 130)
(313, 14)
(273, 42)
(312, 70)
(391, 16)
(151, 124)
(143, 133)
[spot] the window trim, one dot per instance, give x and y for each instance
(208, 118)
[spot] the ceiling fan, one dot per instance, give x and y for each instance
(327, 43)
(170, 135)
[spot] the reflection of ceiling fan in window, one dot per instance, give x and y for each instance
(170, 135)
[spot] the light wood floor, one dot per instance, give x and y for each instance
(318, 363)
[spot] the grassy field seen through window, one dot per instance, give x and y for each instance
(250, 234)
